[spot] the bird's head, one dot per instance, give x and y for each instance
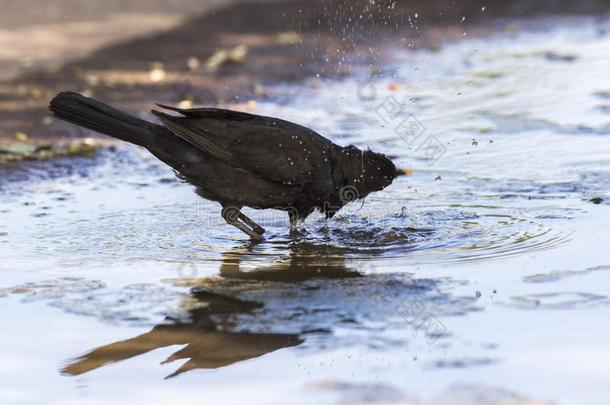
(365, 171)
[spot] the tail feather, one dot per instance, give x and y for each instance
(99, 117)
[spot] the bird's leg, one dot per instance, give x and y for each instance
(256, 227)
(293, 216)
(255, 236)
(232, 216)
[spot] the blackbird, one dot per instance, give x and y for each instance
(240, 159)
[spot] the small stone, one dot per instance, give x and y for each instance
(92, 80)
(193, 63)
(394, 86)
(185, 103)
(157, 72)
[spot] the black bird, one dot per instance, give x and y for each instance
(240, 159)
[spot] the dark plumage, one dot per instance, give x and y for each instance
(241, 159)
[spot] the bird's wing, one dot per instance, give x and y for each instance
(272, 148)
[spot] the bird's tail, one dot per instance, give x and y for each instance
(92, 114)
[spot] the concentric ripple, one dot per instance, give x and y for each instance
(412, 236)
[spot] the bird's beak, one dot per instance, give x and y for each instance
(404, 171)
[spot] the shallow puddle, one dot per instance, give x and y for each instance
(480, 279)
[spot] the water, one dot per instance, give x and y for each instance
(482, 278)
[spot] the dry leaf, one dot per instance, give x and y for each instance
(222, 56)
(289, 38)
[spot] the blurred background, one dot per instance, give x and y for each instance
(133, 52)
(46, 33)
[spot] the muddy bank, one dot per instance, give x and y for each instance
(228, 55)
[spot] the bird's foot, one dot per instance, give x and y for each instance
(297, 230)
(233, 216)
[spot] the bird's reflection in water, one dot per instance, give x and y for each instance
(304, 262)
(206, 332)
(207, 344)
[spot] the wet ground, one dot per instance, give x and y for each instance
(483, 278)
(39, 35)
(132, 53)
